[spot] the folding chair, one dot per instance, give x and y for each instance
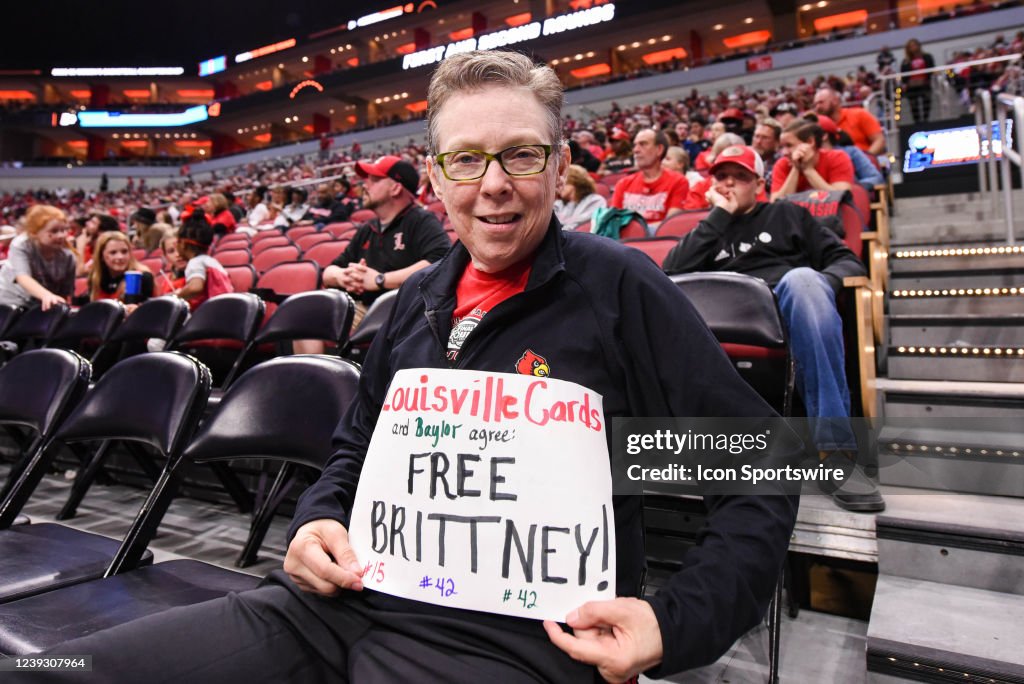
(295, 233)
(126, 590)
(158, 318)
(94, 323)
(273, 256)
(656, 247)
(233, 318)
(8, 314)
(139, 253)
(325, 252)
(742, 313)
(233, 257)
(362, 216)
(286, 279)
(633, 229)
(317, 315)
(155, 264)
(38, 389)
(232, 241)
(259, 418)
(375, 318)
(34, 327)
(42, 557)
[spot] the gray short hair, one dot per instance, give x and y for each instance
(474, 71)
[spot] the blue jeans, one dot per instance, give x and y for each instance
(808, 307)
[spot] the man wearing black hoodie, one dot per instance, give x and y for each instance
(805, 263)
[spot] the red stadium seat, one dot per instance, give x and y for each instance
(139, 253)
(853, 226)
(304, 242)
(437, 209)
(243, 277)
(232, 241)
(452, 235)
(633, 229)
(285, 279)
(81, 286)
(266, 235)
(325, 252)
(362, 216)
(603, 190)
(298, 231)
(272, 256)
(656, 247)
(234, 257)
(681, 224)
(155, 264)
(612, 178)
(267, 243)
(341, 229)
(584, 227)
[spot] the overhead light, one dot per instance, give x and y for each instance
(748, 20)
(718, 27)
(665, 39)
(305, 59)
(635, 43)
(822, 3)
(621, 48)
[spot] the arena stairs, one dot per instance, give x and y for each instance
(949, 601)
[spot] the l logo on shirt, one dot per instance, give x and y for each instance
(399, 245)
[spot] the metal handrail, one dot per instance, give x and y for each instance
(1006, 105)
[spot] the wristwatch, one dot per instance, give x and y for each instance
(380, 281)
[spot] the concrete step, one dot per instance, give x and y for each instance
(957, 258)
(923, 400)
(980, 364)
(969, 330)
(933, 632)
(979, 455)
(952, 229)
(961, 301)
(938, 205)
(960, 539)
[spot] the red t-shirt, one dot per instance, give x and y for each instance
(226, 219)
(652, 200)
(479, 292)
(833, 166)
(860, 124)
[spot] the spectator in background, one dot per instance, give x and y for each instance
(653, 192)
(864, 172)
(139, 223)
(696, 143)
(581, 156)
(676, 160)
(279, 197)
(715, 131)
(918, 88)
(785, 113)
(326, 209)
(295, 211)
(384, 253)
(259, 212)
(40, 269)
(173, 277)
(236, 209)
(766, 143)
(154, 236)
(578, 199)
(204, 276)
(862, 127)
(85, 243)
(620, 155)
(805, 165)
(114, 259)
(221, 218)
(885, 60)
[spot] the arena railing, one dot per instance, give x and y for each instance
(1006, 106)
(889, 103)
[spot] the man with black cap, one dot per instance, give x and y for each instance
(805, 263)
(403, 239)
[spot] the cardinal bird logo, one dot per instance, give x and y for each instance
(531, 363)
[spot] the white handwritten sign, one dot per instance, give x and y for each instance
(487, 491)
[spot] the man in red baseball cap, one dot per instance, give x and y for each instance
(805, 263)
(403, 239)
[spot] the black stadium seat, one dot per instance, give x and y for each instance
(34, 327)
(40, 558)
(93, 323)
(158, 318)
(38, 389)
(8, 314)
(375, 318)
(233, 317)
(317, 315)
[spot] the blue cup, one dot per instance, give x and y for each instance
(132, 283)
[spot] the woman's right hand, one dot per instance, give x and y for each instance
(49, 300)
(321, 561)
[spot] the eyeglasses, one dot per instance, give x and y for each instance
(518, 160)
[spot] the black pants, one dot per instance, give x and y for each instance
(920, 103)
(277, 633)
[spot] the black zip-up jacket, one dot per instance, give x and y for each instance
(604, 316)
(766, 242)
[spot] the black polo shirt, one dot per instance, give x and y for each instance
(414, 235)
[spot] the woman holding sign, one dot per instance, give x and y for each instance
(538, 338)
